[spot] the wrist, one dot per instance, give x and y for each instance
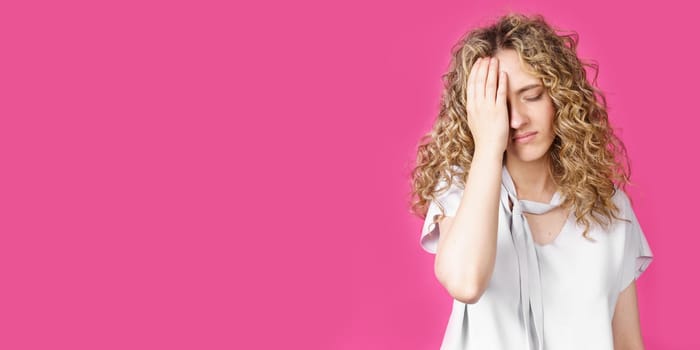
(488, 153)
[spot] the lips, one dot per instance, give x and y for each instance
(524, 135)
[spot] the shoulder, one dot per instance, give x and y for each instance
(455, 170)
(622, 201)
(626, 211)
(450, 174)
(448, 195)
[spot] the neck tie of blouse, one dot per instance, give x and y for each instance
(528, 263)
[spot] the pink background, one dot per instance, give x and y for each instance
(202, 175)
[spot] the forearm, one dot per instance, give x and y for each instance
(468, 251)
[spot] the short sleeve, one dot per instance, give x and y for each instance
(637, 254)
(450, 200)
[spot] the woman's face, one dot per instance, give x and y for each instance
(530, 111)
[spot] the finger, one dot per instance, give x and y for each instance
(481, 78)
(502, 88)
(471, 81)
(491, 80)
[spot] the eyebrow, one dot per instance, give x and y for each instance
(526, 87)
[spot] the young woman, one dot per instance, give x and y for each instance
(520, 183)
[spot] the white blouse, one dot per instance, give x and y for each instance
(579, 280)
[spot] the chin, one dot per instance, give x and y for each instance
(526, 156)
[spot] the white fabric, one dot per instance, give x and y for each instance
(571, 283)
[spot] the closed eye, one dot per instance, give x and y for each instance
(534, 98)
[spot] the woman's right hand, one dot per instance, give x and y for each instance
(487, 113)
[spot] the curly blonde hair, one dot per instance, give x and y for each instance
(588, 161)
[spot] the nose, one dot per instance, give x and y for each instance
(516, 117)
